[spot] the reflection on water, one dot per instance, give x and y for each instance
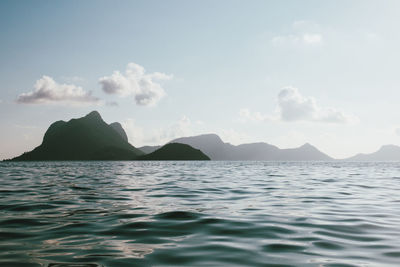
(199, 214)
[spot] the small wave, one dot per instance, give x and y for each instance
(199, 214)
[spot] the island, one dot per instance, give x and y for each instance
(214, 147)
(91, 138)
(175, 151)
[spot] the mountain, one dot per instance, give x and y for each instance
(175, 151)
(305, 152)
(216, 149)
(149, 149)
(210, 144)
(118, 127)
(255, 151)
(87, 138)
(385, 153)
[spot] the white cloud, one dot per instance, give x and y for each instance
(133, 131)
(183, 127)
(302, 33)
(398, 131)
(292, 106)
(46, 90)
(143, 86)
(312, 39)
(234, 137)
(247, 115)
(295, 107)
(180, 128)
(186, 127)
(302, 39)
(139, 136)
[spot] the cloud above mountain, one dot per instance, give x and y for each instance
(139, 136)
(47, 90)
(144, 87)
(293, 106)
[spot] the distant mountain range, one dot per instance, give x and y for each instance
(385, 153)
(216, 149)
(90, 138)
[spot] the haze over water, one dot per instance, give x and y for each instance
(199, 214)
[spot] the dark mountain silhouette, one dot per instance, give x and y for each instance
(385, 153)
(175, 151)
(87, 138)
(118, 127)
(210, 144)
(149, 149)
(90, 138)
(216, 149)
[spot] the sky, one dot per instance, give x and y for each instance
(281, 72)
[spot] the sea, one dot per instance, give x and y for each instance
(204, 213)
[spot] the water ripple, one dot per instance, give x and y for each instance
(199, 214)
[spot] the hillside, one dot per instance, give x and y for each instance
(385, 153)
(213, 146)
(87, 138)
(175, 151)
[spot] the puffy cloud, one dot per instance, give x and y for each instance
(139, 136)
(312, 39)
(292, 106)
(295, 107)
(143, 86)
(46, 90)
(304, 39)
(303, 33)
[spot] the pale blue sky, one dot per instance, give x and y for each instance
(282, 72)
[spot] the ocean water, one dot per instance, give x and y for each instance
(199, 214)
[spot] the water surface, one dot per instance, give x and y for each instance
(199, 214)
